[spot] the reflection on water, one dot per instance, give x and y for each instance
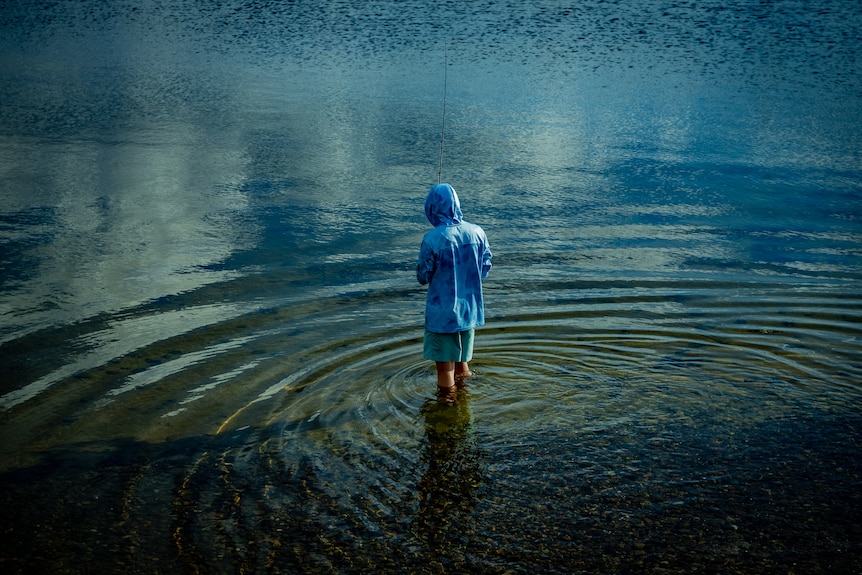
(210, 348)
(607, 427)
(454, 473)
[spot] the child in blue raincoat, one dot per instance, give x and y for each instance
(453, 261)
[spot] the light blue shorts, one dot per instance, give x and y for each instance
(448, 346)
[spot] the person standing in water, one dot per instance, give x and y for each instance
(453, 261)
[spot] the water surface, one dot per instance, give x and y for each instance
(210, 343)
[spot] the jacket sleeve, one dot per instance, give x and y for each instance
(426, 265)
(486, 258)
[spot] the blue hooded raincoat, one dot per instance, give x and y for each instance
(453, 261)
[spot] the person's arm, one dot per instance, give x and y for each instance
(486, 258)
(427, 264)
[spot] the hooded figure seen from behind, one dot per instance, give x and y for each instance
(453, 261)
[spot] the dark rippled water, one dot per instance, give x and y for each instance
(210, 346)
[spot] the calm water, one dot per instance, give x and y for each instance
(210, 341)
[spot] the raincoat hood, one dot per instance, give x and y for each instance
(442, 207)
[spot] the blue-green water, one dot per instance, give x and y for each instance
(210, 341)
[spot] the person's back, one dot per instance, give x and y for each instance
(453, 260)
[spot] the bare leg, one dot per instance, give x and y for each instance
(445, 375)
(462, 372)
(446, 381)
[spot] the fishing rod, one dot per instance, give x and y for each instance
(443, 118)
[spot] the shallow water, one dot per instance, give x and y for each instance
(210, 344)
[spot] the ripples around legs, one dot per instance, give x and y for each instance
(613, 429)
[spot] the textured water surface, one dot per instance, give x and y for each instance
(210, 346)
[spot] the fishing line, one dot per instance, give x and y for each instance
(443, 118)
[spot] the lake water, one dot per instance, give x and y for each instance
(210, 346)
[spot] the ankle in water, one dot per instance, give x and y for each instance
(446, 394)
(461, 379)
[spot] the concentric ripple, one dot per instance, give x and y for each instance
(627, 428)
(607, 427)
